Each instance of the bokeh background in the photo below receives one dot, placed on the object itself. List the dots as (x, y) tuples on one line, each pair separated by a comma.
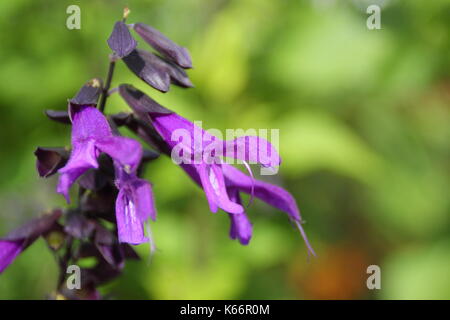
[(364, 136)]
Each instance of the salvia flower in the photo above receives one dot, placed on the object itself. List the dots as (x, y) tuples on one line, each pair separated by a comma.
[(204, 164), (220, 181), (134, 206), (108, 167), (91, 135)]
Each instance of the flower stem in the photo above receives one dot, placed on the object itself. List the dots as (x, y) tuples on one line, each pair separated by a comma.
[(102, 104)]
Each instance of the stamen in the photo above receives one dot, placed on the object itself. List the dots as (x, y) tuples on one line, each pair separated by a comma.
[(252, 191), (305, 238)]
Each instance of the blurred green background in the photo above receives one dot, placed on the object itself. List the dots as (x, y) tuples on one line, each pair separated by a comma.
[(364, 124)]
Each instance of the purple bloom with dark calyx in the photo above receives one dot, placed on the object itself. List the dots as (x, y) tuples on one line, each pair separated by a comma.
[(91, 135), (114, 204), (87, 95), (211, 176), (143, 129), (220, 181), (134, 205), (165, 121), (20, 239)]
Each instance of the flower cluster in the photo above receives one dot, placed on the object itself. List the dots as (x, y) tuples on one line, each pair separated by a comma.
[(114, 203)]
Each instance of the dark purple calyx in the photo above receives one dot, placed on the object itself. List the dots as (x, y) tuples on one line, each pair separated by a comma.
[(89, 93), (155, 71), (49, 160), (121, 41), (58, 116), (164, 45), (140, 102)]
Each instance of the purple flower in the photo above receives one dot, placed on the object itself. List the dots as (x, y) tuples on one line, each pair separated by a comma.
[(203, 159), (220, 181), (208, 166), (134, 205), (91, 135)]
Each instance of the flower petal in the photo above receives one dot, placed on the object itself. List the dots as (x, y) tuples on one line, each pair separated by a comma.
[(214, 185), (129, 225), (205, 183), (252, 149), (88, 123), (9, 250), (126, 151), (143, 197), (241, 227), (83, 157)]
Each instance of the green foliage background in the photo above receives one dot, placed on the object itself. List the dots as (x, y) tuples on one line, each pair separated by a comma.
[(364, 136)]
